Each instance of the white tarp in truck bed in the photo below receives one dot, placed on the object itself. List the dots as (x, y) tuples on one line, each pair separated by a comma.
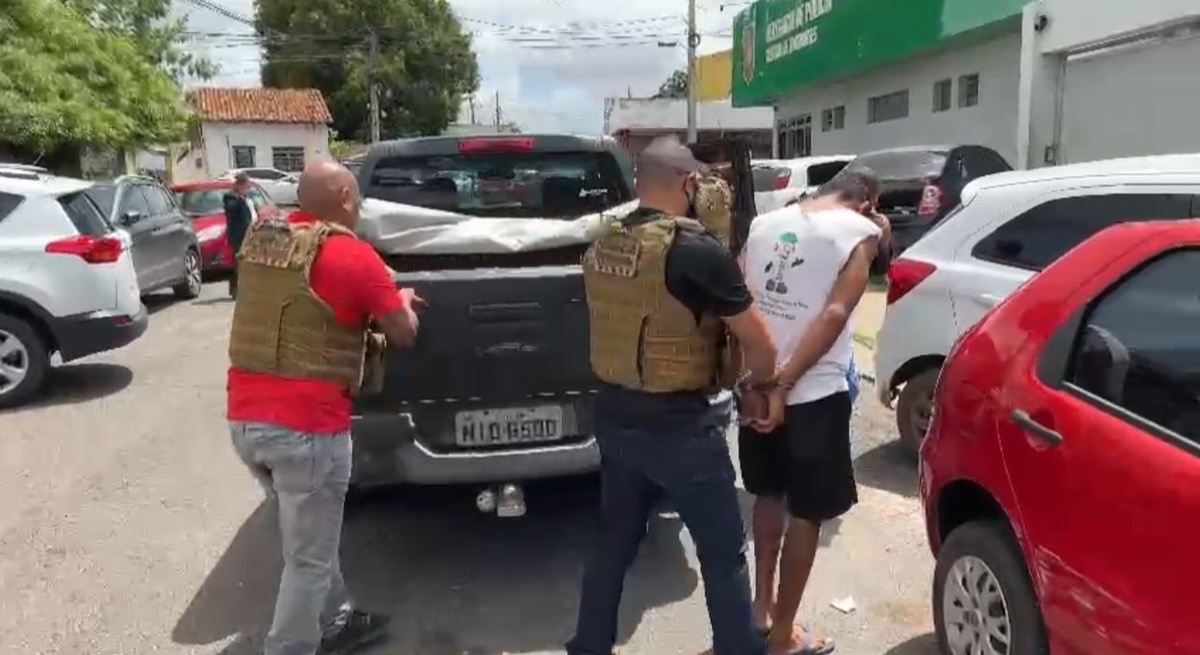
[(399, 229)]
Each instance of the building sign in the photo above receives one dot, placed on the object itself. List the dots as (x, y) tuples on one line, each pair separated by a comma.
[(781, 45), (795, 30)]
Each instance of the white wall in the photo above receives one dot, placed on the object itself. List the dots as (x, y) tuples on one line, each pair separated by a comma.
[(219, 139), (1141, 100), (993, 122), (1074, 23)]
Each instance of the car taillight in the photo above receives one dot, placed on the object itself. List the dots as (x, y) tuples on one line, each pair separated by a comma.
[(781, 180), (503, 144), (93, 250), (931, 201), (904, 275)]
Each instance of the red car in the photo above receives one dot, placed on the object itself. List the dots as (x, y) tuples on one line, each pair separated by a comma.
[(1061, 473), (203, 202)]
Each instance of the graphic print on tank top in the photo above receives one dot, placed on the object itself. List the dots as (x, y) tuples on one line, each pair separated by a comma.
[(785, 258)]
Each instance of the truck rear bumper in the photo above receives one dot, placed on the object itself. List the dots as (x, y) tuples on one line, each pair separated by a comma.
[(387, 451)]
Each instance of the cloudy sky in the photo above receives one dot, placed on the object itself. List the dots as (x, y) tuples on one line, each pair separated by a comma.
[(552, 62)]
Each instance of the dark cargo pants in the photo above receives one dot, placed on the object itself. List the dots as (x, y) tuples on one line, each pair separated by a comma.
[(689, 462), (308, 476)]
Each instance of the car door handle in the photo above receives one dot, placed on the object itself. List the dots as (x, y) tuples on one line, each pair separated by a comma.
[(1039, 431)]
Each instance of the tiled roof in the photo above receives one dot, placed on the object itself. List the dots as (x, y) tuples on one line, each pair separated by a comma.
[(247, 105)]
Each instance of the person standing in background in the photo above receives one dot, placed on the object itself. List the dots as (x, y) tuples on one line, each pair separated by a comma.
[(291, 384), (807, 267), (239, 216)]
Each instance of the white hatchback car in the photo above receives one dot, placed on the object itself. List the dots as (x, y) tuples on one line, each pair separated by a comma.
[(280, 185), (67, 281), (1008, 227), (780, 181)]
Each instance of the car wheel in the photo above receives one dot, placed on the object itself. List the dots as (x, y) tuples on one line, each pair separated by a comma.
[(914, 408), (24, 361), (983, 601), (192, 282)]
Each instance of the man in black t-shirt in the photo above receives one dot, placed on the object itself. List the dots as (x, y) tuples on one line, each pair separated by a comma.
[(661, 421)]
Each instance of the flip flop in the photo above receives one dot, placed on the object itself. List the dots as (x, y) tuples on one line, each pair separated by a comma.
[(809, 647)]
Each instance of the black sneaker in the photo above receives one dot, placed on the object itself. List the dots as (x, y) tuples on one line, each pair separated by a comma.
[(355, 631)]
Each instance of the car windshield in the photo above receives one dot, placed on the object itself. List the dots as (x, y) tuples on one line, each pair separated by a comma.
[(104, 195), (509, 184), (200, 202), (903, 164)]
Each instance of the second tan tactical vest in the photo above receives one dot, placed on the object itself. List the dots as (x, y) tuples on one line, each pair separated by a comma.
[(280, 326), (642, 337)]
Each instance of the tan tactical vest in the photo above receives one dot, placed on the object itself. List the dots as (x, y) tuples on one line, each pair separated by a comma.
[(714, 205), (642, 337), (281, 327)]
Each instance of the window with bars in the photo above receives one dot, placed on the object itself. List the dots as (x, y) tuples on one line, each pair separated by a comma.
[(288, 158), (888, 107), (943, 91), (833, 118), (243, 156), (795, 137), (968, 90)]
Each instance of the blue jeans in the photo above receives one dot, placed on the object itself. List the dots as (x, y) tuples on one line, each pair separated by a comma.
[(307, 475), (688, 461)]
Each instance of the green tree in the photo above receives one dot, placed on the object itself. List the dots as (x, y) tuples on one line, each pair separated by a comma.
[(675, 86), (63, 81), (425, 65), (149, 24)]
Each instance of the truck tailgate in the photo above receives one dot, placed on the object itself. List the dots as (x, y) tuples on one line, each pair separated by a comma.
[(497, 334)]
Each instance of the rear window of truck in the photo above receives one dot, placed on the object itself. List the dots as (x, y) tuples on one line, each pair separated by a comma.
[(514, 184)]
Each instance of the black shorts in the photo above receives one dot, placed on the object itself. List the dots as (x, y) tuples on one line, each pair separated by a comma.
[(806, 460)]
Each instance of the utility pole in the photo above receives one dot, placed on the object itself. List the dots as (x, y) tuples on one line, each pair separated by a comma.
[(373, 84), (693, 41), (473, 110), (497, 110)]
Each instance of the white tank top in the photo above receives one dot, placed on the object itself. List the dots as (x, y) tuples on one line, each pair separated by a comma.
[(792, 259)]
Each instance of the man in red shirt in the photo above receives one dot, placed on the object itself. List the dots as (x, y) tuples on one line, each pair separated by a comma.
[(290, 417)]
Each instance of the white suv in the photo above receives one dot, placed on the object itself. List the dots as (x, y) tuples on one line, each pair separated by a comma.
[(1008, 227), (67, 282)]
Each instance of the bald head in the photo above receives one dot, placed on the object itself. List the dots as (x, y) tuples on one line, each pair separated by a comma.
[(329, 191), (666, 175), (666, 159)]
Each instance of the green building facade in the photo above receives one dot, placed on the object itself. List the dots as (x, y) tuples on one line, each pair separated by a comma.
[(780, 46)]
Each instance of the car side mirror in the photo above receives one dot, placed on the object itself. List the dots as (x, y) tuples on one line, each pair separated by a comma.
[(1102, 363), (131, 217)]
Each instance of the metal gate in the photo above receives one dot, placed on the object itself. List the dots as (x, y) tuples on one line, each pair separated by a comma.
[(1135, 98)]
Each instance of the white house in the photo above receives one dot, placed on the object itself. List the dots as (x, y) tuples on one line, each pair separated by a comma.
[(253, 127)]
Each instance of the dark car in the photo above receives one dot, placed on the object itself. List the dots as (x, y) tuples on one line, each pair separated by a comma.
[(921, 184), (498, 389), (166, 253)]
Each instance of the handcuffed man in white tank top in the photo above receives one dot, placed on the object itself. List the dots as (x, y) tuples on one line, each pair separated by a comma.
[(807, 266)]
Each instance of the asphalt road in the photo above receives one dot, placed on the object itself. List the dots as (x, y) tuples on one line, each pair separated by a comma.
[(127, 526)]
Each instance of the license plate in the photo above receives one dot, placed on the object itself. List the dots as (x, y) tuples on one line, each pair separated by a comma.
[(514, 425)]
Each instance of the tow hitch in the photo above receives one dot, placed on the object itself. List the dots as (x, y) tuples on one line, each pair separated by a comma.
[(505, 501)]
